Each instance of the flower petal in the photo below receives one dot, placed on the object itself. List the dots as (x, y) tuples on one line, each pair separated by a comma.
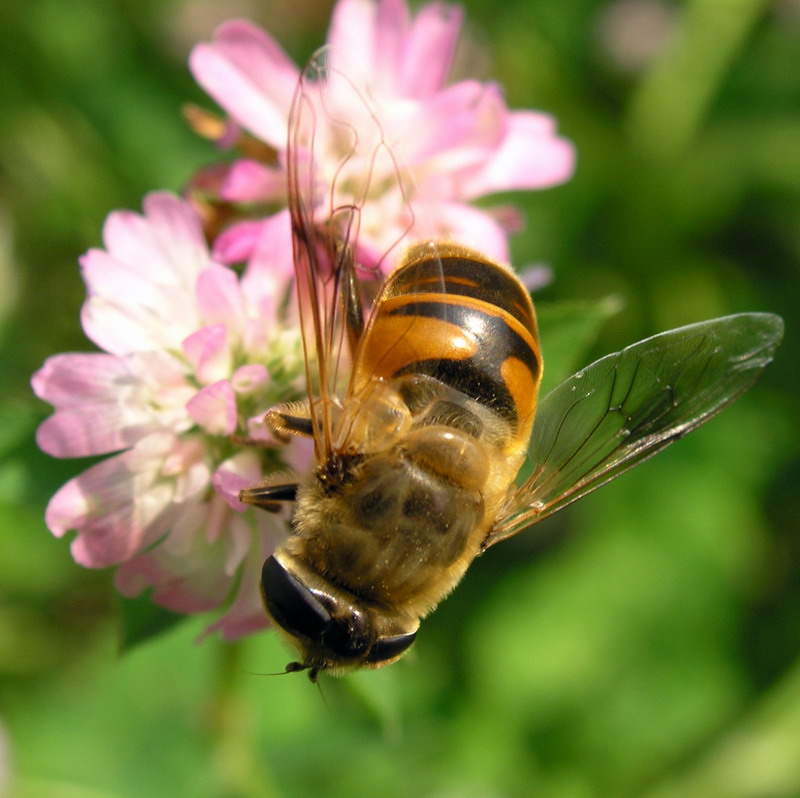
[(388, 41), (271, 266), (252, 181), (249, 378), (458, 128), (90, 430), (351, 37), (104, 403), (531, 156), (429, 49), (236, 244), (219, 298), (69, 379), (141, 288), (250, 76), (166, 242), (126, 312), (246, 614), (266, 282), (186, 572), (118, 508), (89, 418), (209, 352), (214, 408), (238, 472)]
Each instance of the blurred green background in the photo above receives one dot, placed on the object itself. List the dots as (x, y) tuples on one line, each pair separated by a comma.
[(645, 642)]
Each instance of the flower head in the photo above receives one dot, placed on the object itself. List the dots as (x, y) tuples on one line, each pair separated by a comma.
[(193, 355), (459, 141)]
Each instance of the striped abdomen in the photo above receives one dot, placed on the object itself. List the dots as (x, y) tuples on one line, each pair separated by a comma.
[(449, 314)]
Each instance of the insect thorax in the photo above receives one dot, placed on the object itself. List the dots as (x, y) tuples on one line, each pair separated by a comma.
[(400, 525)]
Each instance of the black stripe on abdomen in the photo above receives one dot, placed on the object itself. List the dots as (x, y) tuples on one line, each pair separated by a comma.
[(469, 277), (479, 375)]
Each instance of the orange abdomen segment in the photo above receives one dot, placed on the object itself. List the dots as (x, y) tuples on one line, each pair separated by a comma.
[(463, 320)]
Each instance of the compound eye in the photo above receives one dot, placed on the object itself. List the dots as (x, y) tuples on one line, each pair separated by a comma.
[(390, 647), (291, 603), (346, 637)]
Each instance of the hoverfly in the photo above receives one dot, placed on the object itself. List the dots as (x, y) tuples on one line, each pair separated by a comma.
[(420, 437)]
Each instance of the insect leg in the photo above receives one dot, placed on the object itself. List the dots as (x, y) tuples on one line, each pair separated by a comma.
[(270, 496), (288, 420)]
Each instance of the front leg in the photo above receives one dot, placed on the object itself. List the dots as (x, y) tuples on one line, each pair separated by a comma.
[(271, 494), (290, 419)]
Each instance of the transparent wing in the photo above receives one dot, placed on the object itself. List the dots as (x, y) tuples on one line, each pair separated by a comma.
[(627, 406), (338, 162)]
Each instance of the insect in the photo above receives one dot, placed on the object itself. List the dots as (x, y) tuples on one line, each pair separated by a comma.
[(422, 393)]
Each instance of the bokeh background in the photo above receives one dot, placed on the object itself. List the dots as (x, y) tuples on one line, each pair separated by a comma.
[(644, 642)]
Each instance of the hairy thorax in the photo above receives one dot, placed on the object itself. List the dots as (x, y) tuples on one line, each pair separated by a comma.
[(400, 525)]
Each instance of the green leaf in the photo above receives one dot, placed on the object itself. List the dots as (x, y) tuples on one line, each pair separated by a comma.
[(141, 620), (567, 331)]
